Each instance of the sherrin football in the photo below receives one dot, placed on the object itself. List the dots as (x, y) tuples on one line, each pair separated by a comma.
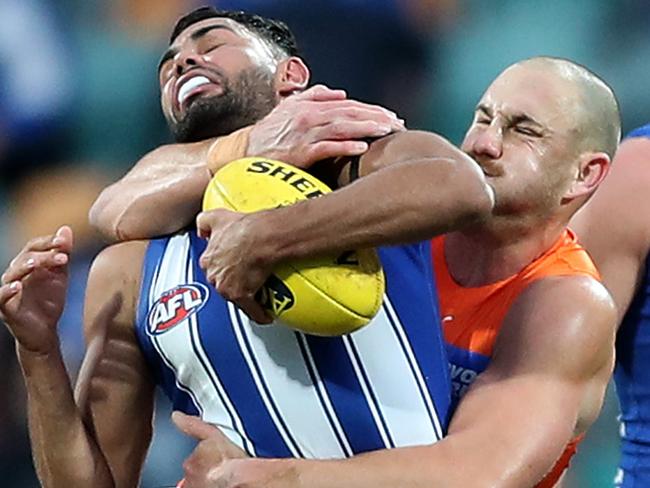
[(327, 295)]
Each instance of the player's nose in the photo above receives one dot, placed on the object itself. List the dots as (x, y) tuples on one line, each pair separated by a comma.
[(185, 61), (488, 143)]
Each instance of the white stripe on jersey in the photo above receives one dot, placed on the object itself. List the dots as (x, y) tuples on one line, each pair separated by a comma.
[(233, 432), (161, 353), (275, 361), (180, 386), (327, 402), (415, 367), (361, 377), (392, 381), (176, 345)]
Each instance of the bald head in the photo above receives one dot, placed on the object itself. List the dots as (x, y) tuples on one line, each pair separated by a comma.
[(597, 121), (544, 133)]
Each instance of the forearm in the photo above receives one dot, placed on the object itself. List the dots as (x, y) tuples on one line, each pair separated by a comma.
[(65, 454), (408, 467), (161, 194), (401, 203), (501, 436), (458, 461)]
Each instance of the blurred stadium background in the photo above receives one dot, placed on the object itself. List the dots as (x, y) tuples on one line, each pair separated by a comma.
[(79, 105)]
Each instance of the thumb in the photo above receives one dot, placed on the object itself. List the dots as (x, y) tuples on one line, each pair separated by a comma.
[(193, 426), (208, 219), (64, 239), (203, 225), (215, 221)]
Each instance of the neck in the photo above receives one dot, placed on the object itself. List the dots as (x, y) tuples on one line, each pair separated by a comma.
[(489, 253)]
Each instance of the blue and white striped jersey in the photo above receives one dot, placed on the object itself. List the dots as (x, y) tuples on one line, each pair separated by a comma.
[(280, 393)]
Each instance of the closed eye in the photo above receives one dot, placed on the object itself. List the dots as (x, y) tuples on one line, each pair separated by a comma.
[(212, 48), (527, 131)]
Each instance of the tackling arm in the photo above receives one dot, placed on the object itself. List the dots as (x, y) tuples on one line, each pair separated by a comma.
[(545, 384), (417, 185), (163, 192), (160, 194)]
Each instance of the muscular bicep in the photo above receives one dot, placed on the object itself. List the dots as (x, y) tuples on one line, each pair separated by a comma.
[(545, 382), (401, 147), (409, 146), (115, 389), (559, 326), (427, 168)]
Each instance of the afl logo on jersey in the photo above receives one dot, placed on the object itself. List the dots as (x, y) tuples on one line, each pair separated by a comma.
[(176, 305)]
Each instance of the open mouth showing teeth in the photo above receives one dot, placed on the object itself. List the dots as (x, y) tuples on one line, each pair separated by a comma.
[(190, 85)]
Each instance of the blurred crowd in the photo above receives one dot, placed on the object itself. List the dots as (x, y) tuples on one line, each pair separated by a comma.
[(79, 105)]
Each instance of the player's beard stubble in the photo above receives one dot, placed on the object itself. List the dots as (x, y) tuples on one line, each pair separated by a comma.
[(243, 101)]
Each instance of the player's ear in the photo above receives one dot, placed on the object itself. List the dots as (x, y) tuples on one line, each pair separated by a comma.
[(292, 76), (592, 170)]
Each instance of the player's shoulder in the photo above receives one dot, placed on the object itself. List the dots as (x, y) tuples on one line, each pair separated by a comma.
[(578, 288), (119, 260), (574, 307), (114, 280), (570, 318)]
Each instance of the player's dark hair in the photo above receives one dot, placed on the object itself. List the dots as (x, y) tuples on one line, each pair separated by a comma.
[(274, 32)]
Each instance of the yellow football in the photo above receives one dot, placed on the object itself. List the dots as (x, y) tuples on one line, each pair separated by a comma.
[(326, 295)]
